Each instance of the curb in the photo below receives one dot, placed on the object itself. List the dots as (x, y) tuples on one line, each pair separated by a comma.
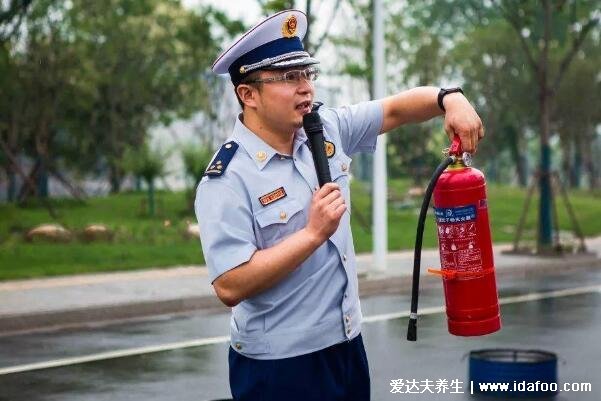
[(369, 285)]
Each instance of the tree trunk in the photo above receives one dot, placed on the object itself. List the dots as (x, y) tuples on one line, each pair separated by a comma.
[(11, 179), (73, 189), (545, 231), (115, 177), (516, 148), (11, 169), (11, 185), (576, 168), (545, 237), (29, 186), (589, 164), (566, 158), (42, 140), (151, 197), (42, 178), (306, 39)]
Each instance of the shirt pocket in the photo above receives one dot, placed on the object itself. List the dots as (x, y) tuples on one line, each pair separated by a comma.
[(340, 167), (278, 221)]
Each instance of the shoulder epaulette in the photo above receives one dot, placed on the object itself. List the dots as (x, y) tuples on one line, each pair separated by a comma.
[(219, 163)]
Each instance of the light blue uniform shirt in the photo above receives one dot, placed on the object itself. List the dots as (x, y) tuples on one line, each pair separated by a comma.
[(317, 305)]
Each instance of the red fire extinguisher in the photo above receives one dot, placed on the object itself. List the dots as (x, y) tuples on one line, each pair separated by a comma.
[(465, 246)]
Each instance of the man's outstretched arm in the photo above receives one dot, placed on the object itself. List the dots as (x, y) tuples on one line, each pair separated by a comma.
[(421, 104)]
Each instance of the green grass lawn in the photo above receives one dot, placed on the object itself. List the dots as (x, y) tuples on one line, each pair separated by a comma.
[(141, 241)]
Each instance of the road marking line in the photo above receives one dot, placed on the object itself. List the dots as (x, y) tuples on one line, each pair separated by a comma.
[(535, 296), (225, 339), (114, 354)]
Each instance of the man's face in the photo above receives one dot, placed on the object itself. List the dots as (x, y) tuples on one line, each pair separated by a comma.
[(282, 103)]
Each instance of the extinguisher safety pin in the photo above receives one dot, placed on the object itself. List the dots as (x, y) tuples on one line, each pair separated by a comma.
[(448, 274)]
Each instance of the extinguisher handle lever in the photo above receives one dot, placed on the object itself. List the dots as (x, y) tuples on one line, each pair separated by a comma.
[(455, 148)]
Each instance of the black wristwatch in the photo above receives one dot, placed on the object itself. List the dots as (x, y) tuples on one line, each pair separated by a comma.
[(443, 92)]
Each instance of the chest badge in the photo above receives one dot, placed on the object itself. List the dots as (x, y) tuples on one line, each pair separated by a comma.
[(272, 196), (330, 148)]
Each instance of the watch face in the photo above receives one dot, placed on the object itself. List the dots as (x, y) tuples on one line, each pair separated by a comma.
[(452, 90)]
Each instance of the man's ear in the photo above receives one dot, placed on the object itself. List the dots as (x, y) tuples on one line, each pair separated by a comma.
[(247, 94)]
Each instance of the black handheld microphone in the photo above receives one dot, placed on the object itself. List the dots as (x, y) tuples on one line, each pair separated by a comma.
[(314, 130)]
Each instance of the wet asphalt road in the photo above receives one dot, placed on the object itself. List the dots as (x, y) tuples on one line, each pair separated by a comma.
[(569, 326)]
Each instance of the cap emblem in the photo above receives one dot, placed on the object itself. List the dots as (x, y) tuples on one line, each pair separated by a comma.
[(289, 27)]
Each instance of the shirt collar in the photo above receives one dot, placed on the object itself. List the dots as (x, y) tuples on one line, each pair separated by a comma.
[(257, 148), (300, 137)]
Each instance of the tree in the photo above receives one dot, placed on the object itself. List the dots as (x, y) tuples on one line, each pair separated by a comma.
[(148, 59), (539, 31), (12, 13), (546, 32), (501, 86), (576, 115), (85, 81), (148, 164), (196, 159), (42, 80)]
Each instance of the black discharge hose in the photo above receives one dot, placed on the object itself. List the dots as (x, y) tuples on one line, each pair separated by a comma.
[(417, 256)]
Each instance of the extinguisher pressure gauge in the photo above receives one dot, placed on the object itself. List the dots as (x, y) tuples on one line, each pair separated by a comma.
[(467, 158)]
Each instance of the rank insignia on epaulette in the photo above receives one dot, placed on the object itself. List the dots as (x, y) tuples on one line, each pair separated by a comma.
[(330, 148), (219, 163)]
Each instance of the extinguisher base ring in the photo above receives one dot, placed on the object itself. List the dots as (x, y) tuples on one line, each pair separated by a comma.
[(476, 327)]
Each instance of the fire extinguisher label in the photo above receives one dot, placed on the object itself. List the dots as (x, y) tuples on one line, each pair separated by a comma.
[(455, 214), (459, 249)]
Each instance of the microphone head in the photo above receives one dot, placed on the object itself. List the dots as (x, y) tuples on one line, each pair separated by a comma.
[(312, 122)]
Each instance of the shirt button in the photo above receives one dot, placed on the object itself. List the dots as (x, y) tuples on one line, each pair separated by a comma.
[(282, 215), (348, 331), (343, 167), (347, 319), (238, 346), (344, 257), (345, 295)]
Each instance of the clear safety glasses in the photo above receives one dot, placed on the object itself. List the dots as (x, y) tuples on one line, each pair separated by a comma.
[(291, 77)]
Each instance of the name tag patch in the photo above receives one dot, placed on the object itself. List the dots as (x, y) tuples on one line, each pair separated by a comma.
[(272, 196)]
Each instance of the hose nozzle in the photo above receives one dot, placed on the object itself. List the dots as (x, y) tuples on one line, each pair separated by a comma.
[(412, 328)]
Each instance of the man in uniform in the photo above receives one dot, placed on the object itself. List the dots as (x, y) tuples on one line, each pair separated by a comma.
[(278, 247)]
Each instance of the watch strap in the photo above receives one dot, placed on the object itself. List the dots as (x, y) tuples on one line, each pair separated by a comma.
[(445, 91)]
